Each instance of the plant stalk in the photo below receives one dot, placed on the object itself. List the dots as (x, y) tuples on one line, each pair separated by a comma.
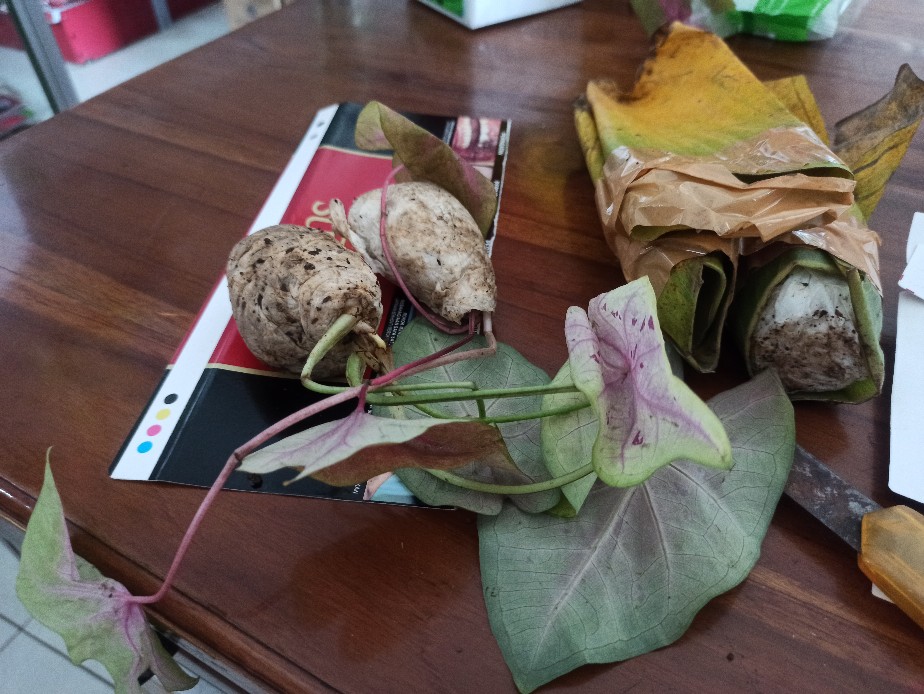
[(508, 489)]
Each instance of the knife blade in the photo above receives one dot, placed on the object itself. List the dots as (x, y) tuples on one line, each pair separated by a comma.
[(889, 541)]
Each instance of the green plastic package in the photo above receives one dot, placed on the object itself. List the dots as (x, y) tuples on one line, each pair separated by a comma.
[(784, 20)]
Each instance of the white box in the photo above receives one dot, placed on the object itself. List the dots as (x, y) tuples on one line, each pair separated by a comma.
[(479, 13)]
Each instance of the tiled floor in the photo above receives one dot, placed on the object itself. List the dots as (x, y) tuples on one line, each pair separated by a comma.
[(96, 76), (34, 659)]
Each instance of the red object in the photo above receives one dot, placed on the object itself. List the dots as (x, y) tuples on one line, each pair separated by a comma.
[(89, 29), (178, 8), (94, 28), (8, 34)]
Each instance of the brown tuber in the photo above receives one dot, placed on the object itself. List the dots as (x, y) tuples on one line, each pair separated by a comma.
[(288, 284), (436, 244)]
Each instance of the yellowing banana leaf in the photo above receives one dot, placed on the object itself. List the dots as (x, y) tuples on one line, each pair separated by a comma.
[(700, 164), (874, 141), (682, 268), (695, 98), (794, 93), (680, 154)]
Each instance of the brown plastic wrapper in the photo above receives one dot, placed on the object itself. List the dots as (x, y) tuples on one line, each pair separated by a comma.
[(700, 165)]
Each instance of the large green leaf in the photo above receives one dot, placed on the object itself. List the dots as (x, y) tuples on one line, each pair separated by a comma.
[(93, 614), (506, 369), (629, 574)]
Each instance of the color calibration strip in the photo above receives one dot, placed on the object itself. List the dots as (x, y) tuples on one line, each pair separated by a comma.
[(162, 414)]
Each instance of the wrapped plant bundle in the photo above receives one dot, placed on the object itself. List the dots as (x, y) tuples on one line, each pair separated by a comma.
[(703, 174)]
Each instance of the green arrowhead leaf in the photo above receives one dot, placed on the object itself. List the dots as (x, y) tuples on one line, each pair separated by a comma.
[(427, 158), (507, 369), (360, 446), (567, 443), (648, 417), (630, 573), (92, 613)]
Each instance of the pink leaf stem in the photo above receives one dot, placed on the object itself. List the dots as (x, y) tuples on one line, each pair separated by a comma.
[(439, 358), (444, 356), (233, 461)]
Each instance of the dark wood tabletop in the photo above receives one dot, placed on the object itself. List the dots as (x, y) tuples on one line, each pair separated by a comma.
[(116, 219)]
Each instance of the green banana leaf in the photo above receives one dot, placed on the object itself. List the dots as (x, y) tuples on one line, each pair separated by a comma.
[(693, 305)]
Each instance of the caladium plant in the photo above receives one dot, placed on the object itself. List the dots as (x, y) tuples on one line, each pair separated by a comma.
[(636, 441), (650, 417), (631, 572), (615, 439)]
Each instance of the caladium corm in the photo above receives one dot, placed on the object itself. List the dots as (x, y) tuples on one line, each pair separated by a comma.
[(427, 158)]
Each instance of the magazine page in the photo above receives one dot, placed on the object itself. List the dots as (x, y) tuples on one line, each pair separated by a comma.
[(215, 394)]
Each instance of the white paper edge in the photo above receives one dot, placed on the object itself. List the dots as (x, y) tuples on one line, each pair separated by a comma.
[(906, 445), (182, 378), (877, 591)]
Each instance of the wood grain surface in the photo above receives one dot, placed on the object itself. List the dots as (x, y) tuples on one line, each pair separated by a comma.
[(116, 219)]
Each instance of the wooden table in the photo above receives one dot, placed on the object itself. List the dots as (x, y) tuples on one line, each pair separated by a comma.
[(116, 218)]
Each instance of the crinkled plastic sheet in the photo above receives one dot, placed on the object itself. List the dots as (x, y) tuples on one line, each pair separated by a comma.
[(745, 191), (649, 196), (785, 20)]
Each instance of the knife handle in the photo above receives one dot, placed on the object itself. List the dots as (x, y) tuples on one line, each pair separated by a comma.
[(892, 556)]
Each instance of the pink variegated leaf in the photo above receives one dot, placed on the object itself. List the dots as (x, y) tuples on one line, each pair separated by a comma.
[(93, 614), (647, 416), (358, 447)]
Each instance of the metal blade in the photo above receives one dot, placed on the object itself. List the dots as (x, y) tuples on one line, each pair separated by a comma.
[(819, 490)]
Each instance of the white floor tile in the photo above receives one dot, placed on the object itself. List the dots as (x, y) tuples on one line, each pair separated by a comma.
[(51, 639), (28, 665), (10, 607), (7, 631), (16, 71), (153, 686), (28, 646), (185, 34)]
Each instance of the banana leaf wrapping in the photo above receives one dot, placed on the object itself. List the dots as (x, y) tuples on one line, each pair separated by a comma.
[(702, 175)]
